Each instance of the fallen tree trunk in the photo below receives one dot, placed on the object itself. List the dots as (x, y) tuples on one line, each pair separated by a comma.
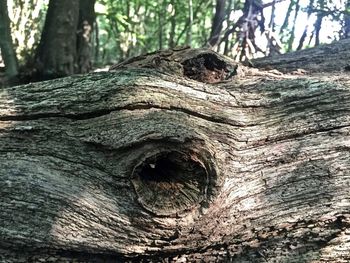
[(138, 165), (325, 58)]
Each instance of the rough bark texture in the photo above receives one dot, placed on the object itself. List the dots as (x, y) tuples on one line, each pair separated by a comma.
[(217, 23), (138, 165), (326, 58), (6, 44), (85, 32), (56, 54)]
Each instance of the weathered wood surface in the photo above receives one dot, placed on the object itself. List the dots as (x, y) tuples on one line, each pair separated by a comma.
[(333, 57), (136, 165)]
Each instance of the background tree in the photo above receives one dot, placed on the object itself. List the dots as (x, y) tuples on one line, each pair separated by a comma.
[(252, 19), (123, 29), (6, 44), (27, 21), (85, 30), (318, 23), (303, 36), (217, 23), (346, 21), (56, 54)]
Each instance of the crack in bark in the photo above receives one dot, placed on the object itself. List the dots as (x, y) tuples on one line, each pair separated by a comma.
[(298, 135), (99, 113)]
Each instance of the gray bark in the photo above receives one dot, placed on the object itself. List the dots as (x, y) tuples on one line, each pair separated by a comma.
[(137, 165), (56, 54), (6, 45), (326, 58), (218, 18), (86, 22)]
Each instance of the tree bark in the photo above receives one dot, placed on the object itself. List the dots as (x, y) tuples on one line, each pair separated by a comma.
[(303, 36), (56, 54), (85, 35), (346, 18), (216, 28), (190, 23), (326, 58), (6, 45), (149, 163), (173, 15)]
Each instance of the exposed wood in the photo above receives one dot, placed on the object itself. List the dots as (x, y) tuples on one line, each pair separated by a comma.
[(136, 164)]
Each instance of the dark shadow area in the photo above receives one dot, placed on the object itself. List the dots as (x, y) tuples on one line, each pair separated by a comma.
[(170, 182), (208, 68)]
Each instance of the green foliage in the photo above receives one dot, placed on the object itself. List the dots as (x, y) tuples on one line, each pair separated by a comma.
[(126, 28), (129, 28)]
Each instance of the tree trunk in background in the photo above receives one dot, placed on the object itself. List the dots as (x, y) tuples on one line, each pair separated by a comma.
[(228, 41), (161, 18), (318, 23), (6, 45), (190, 23), (303, 36), (97, 44), (56, 54), (85, 33), (346, 26), (140, 165), (172, 32), (287, 16), (292, 33), (217, 23)]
